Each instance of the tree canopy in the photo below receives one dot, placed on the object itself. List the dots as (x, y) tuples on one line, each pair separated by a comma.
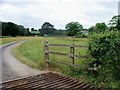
[(99, 27), (12, 29), (47, 28), (73, 28), (115, 22), (32, 29)]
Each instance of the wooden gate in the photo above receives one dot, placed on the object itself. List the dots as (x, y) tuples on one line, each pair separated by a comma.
[(71, 54)]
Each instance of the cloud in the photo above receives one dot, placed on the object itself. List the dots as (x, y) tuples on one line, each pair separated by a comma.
[(57, 12)]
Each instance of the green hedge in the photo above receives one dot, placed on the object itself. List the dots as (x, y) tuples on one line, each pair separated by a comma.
[(104, 49)]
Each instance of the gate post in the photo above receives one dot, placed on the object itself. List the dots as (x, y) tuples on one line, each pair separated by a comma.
[(72, 54), (46, 53)]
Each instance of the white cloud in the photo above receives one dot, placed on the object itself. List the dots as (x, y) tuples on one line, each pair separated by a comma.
[(57, 12)]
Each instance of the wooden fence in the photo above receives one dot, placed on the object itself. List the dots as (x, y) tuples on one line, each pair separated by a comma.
[(71, 54)]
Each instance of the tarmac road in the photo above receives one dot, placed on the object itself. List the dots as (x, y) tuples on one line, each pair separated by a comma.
[(13, 68)]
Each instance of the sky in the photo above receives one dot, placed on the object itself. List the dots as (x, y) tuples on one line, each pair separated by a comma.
[(33, 13)]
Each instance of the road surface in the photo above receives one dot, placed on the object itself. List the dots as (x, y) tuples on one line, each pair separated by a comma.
[(11, 67)]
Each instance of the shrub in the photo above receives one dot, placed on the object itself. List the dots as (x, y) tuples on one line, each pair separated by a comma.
[(104, 49), (81, 35)]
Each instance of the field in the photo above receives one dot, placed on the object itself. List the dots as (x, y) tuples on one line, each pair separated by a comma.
[(35, 32), (32, 51), (6, 40)]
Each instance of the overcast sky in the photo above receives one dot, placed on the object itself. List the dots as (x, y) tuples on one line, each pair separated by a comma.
[(33, 13)]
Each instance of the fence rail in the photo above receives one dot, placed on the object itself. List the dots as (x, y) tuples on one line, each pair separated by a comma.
[(71, 54), (67, 45)]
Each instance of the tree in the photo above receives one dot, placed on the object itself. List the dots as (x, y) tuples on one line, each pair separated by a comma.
[(5, 31), (32, 29), (9, 29), (115, 22), (91, 29), (73, 28), (99, 27), (21, 30), (47, 28), (28, 31), (12, 29), (81, 35), (39, 29), (115, 25)]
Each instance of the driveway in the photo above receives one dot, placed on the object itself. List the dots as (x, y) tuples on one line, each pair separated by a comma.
[(11, 67)]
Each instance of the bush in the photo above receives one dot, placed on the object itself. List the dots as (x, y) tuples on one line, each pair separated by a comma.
[(81, 35), (104, 49)]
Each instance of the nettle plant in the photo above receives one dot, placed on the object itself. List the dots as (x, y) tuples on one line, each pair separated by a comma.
[(104, 49)]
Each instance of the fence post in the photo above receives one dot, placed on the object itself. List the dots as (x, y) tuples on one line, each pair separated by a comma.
[(46, 53), (72, 54)]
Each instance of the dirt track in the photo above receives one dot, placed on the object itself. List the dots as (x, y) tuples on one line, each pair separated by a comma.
[(11, 67)]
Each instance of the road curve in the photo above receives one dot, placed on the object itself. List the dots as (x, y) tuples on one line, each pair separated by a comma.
[(11, 67)]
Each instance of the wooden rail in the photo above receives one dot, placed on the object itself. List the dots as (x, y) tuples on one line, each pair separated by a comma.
[(71, 55)]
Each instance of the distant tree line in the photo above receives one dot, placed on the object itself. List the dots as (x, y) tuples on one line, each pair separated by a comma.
[(12, 29), (72, 29)]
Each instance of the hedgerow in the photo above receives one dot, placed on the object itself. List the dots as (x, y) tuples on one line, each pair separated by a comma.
[(104, 49)]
